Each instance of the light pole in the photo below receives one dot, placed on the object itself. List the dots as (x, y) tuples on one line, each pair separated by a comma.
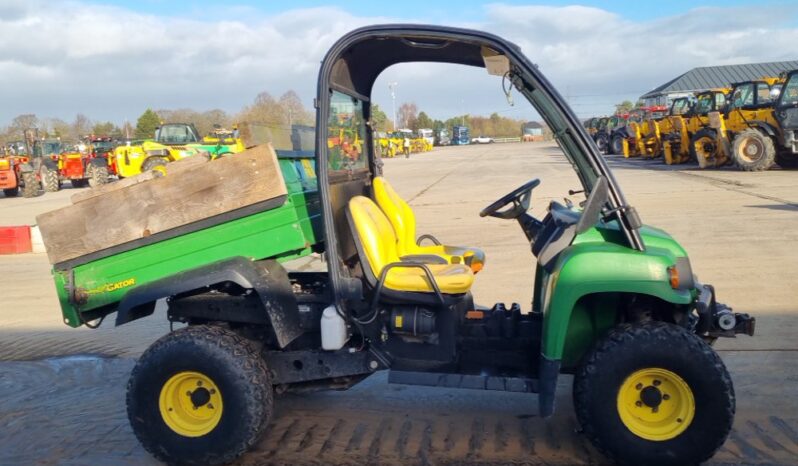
[(392, 87)]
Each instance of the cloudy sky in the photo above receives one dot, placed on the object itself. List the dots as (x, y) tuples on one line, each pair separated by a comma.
[(111, 60)]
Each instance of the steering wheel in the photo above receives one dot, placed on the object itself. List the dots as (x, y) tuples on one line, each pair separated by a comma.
[(519, 197)]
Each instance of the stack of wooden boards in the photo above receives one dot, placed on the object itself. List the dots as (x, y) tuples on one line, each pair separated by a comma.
[(150, 205)]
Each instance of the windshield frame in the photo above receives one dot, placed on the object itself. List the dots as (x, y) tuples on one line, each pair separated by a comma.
[(791, 79), (349, 65)]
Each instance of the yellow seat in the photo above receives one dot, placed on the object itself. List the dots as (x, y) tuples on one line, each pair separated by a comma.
[(403, 220), (376, 241)]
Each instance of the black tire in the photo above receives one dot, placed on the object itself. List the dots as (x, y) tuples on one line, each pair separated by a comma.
[(152, 163), (602, 142), (11, 192), (753, 151), (607, 370), (700, 134), (30, 185), (232, 363), (616, 145), (99, 176), (79, 182), (786, 159), (50, 181)]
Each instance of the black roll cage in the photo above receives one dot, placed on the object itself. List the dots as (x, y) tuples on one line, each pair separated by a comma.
[(381, 46)]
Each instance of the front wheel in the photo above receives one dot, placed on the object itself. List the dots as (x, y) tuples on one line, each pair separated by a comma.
[(654, 394), (50, 180), (30, 185), (199, 395), (99, 176), (753, 151)]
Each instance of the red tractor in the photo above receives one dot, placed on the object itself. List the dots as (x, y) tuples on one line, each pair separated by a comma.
[(24, 166), (103, 148), (81, 165), (12, 178)]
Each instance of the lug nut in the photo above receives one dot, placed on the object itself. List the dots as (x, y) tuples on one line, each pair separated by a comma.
[(639, 386), (655, 409), (199, 383), (210, 406), (212, 391), (188, 392), (679, 419), (666, 397), (638, 403), (657, 383)]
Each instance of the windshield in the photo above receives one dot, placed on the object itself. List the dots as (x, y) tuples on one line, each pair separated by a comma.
[(789, 93), (176, 134), (704, 103), (51, 147), (680, 107), (743, 96), (103, 145)]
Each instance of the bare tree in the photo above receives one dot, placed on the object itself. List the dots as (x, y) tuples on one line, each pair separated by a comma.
[(81, 126), (407, 114), (293, 110), (22, 122)]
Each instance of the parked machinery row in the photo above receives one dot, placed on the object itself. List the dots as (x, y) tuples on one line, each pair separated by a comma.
[(751, 125), (39, 163)]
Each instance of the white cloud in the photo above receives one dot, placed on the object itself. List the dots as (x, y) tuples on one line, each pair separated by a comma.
[(58, 59)]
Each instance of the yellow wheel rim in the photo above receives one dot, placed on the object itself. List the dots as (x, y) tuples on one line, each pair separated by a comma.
[(191, 404), (656, 404)]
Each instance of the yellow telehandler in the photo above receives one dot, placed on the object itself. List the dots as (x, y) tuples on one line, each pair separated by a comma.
[(747, 132), (690, 138)]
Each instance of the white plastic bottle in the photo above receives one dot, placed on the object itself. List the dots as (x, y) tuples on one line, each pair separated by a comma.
[(333, 330)]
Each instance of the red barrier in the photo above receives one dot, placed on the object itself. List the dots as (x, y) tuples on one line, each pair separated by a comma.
[(15, 240)]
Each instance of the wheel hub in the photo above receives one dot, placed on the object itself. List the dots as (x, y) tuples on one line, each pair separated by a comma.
[(651, 396), (752, 150), (655, 404), (200, 397), (191, 404)]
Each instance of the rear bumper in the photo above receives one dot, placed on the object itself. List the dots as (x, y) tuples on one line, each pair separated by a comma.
[(718, 320)]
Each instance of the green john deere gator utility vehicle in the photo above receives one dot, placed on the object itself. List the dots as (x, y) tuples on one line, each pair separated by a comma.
[(615, 302)]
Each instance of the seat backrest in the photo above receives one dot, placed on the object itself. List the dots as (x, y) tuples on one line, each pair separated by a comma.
[(398, 212), (374, 233)]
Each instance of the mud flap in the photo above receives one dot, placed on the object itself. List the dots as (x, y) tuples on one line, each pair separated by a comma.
[(547, 385)]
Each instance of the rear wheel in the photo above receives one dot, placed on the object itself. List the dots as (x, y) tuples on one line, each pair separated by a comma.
[(30, 185), (601, 141), (654, 394), (753, 151), (99, 176), (50, 181), (786, 159), (154, 163), (199, 395), (11, 192), (616, 145)]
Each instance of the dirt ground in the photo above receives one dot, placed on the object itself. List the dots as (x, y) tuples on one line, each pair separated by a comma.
[(62, 389)]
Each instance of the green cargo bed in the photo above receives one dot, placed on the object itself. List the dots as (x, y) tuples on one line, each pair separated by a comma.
[(285, 228)]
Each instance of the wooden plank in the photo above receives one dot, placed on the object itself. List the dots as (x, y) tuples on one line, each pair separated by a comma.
[(173, 167), (160, 204)]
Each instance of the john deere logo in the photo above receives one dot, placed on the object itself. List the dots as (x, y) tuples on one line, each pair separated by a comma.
[(109, 287)]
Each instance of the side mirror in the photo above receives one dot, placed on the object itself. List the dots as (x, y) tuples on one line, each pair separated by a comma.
[(595, 201)]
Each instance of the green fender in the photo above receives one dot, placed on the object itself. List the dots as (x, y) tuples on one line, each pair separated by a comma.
[(595, 265)]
